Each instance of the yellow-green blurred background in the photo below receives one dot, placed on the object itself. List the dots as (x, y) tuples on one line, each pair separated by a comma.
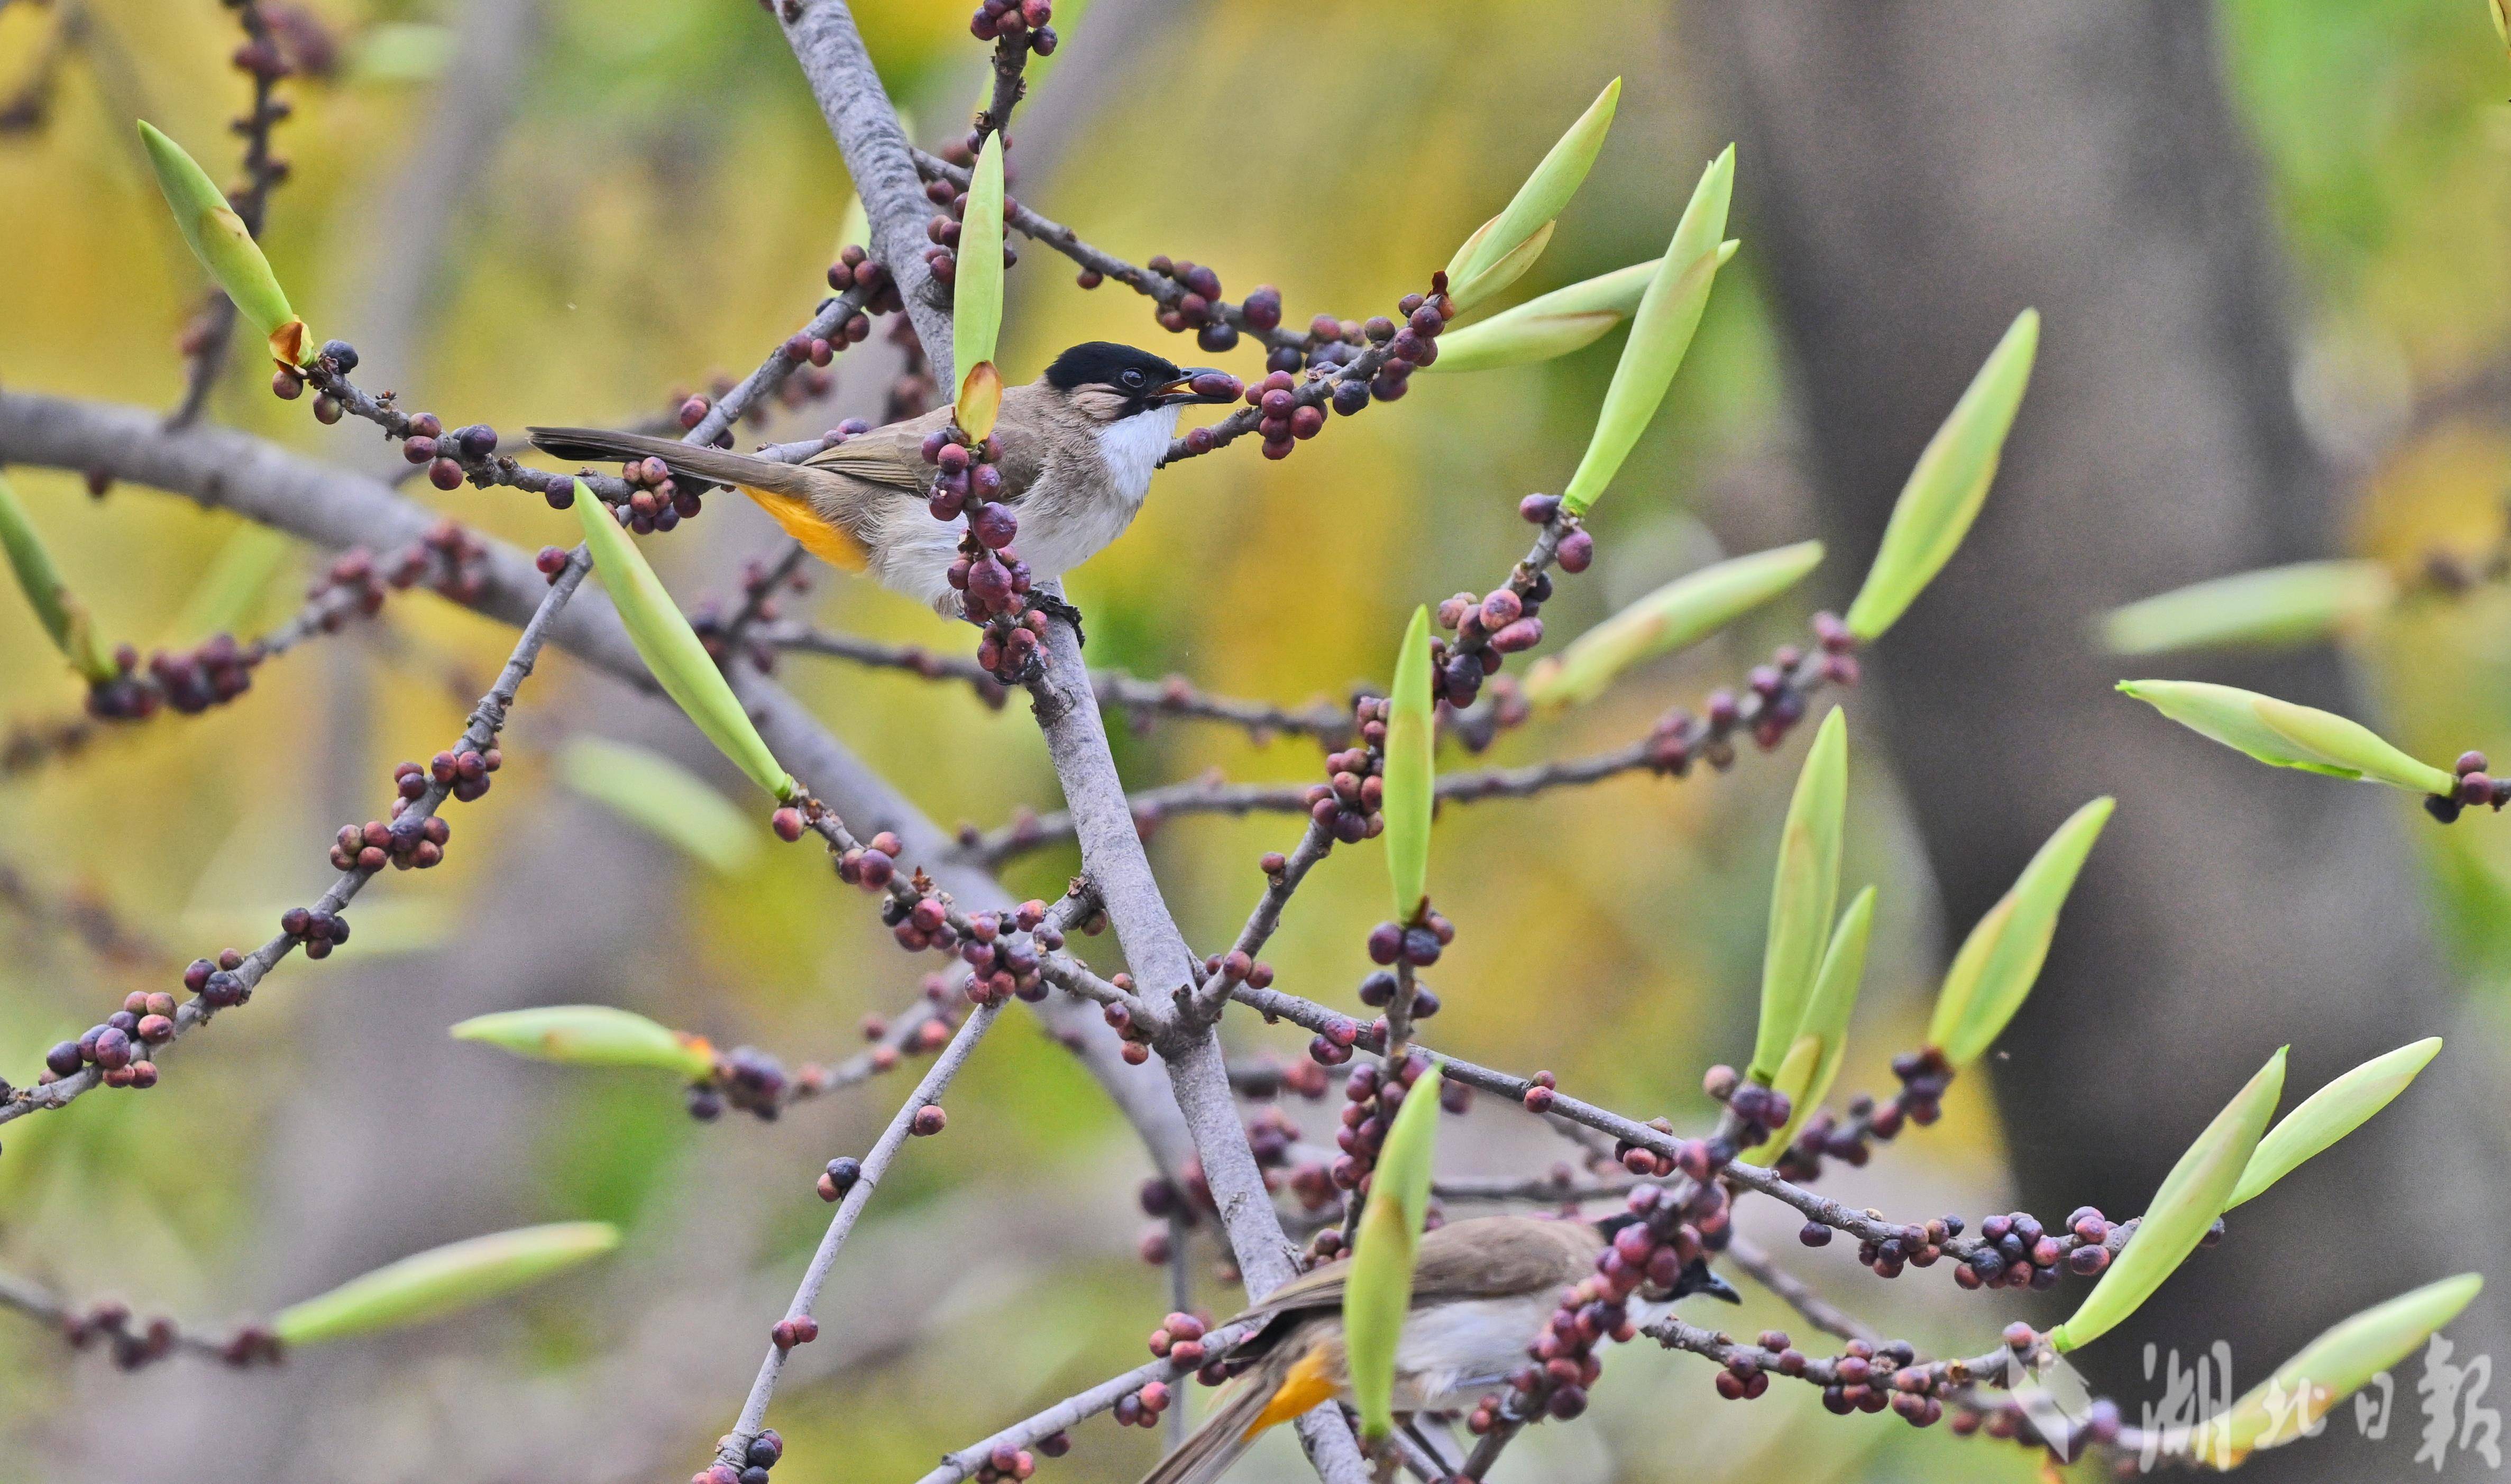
[(646, 196)]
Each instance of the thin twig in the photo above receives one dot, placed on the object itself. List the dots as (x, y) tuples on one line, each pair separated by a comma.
[(487, 718), (1793, 1291), (1172, 695), (876, 1164), (338, 509), (1080, 1407), (215, 330), (1160, 288)]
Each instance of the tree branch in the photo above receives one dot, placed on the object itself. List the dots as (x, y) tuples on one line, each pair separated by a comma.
[(876, 1164), (1171, 695), (877, 155), (338, 509)]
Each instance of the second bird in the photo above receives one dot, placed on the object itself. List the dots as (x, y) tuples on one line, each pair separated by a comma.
[(1078, 448)]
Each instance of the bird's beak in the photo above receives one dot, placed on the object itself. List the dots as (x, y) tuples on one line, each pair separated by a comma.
[(1700, 1278), (1183, 389)]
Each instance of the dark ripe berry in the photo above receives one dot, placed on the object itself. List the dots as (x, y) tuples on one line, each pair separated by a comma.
[(995, 525), (1217, 337), (1263, 307), (64, 1059), (765, 1450), (1386, 942), (1814, 1235), (444, 474), (1575, 551), (197, 973), (1421, 947), (929, 1120), (2475, 788), (552, 561), (1377, 990), (113, 1048), (342, 353), (2470, 763)]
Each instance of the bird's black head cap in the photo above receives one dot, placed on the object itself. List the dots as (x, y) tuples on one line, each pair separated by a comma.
[(1105, 362)]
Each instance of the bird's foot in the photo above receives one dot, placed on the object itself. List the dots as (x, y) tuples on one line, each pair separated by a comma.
[(1056, 608)]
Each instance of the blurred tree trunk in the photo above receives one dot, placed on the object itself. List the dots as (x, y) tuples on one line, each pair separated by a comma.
[(1912, 175)]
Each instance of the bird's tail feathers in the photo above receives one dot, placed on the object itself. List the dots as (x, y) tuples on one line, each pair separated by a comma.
[(1209, 1451), (716, 466), (782, 490)]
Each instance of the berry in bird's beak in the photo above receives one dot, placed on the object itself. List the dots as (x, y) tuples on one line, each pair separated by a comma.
[(1199, 383)]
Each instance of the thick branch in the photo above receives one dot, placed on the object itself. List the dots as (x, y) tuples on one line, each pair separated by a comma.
[(824, 41), (338, 509)]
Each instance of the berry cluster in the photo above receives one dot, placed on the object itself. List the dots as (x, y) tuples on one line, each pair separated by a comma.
[(449, 558), (1772, 704), (135, 1341), (657, 502), (1347, 803), (2475, 788), (318, 930), (1013, 1463), (2018, 1253), (1016, 21), (2100, 1425), (1924, 1076), (1417, 944), (784, 1334), (991, 579), (745, 1077), (120, 1045), (1648, 1250), (1754, 1113), (1379, 990), (757, 1457), (189, 682), (1161, 1199), (1004, 953), (1272, 1076), (838, 1178), (1372, 1095), (415, 836), (1132, 1033), (1194, 302), (221, 985), (856, 271)]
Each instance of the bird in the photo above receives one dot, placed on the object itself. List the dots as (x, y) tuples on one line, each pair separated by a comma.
[(1078, 447), (1482, 1290)]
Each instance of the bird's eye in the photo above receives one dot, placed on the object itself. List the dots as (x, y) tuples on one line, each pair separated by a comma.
[(1133, 377)]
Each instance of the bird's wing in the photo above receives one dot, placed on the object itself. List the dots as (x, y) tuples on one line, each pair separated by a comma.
[(892, 457), (1483, 1258), (888, 458)]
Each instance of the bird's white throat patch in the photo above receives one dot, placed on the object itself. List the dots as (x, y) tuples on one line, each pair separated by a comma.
[(1133, 445)]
